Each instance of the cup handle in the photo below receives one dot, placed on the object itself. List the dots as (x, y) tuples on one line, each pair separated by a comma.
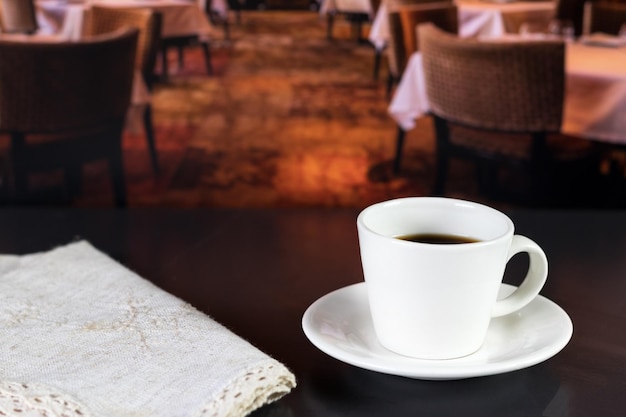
[(533, 282)]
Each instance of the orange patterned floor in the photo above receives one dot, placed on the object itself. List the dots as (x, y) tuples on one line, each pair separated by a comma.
[(288, 119)]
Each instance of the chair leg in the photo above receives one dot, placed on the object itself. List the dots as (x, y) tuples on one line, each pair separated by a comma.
[(442, 134), (164, 65), (441, 175), (377, 54), (390, 83), (116, 170), (207, 57), (148, 127), (18, 167), (356, 29), (226, 29), (216, 19), (181, 57), (399, 145), (540, 180), (330, 20)]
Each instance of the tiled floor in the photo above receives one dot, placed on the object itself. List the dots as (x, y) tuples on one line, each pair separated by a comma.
[(289, 119)]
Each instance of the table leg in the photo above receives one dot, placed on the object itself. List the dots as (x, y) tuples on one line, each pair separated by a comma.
[(376, 63), (330, 20)]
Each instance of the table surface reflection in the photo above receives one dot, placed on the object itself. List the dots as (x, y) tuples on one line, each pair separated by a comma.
[(256, 271)]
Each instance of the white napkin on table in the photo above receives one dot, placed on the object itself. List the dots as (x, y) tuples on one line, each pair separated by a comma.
[(81, 335)]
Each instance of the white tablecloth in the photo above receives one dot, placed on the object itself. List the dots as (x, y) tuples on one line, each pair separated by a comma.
[(180, 17), (476, 18), (218, 6), (595, 101), (595, 105), (347, 6)]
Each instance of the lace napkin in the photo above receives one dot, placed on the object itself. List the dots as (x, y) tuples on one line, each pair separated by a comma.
[(82, 336)]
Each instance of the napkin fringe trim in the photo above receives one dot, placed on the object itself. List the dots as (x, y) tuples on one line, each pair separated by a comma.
[(256, 387), (36, 400)]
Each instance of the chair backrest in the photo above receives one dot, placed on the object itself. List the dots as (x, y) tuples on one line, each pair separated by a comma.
[(506, 86), (403, 20), (107, 19), (514, 21), (392, 4), (48, 87), (375, 5), (604, 16), (572, 10), (18, 16)]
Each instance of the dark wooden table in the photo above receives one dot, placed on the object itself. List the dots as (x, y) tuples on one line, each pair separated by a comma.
[(256, 271)]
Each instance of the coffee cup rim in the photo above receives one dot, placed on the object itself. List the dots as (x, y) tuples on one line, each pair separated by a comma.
[(506, 233)]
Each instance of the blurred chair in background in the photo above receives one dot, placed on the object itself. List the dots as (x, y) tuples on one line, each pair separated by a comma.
[(404, 16), (604, 16), (403, 22), (148, 22), (219, 15), (538, 19), (500, 104), (180, 42), (571, 10), (235, 6), (63, 104), (18, 16), (356, 20)]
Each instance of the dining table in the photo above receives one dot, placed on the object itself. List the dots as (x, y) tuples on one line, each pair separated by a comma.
[(356, 11), (259, 271), (217, 6), (180, 17), (347, 6), (595, 96), (477, 18)]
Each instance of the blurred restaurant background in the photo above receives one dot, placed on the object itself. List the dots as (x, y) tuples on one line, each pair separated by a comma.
[(305, 103)]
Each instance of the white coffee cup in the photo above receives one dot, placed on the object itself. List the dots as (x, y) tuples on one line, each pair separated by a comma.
[(435, 301)]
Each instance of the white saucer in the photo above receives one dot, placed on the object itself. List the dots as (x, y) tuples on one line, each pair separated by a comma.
[(339, 324)]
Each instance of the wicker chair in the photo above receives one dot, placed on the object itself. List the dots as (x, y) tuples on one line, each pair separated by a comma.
[(219, 19), (236, 6), (18, 16), (540, 19), (572, 10), (355, 19), (604, 16), (403, 21), (500, 104), (108, 19), (404, 16), (180, 42), (64, 104)]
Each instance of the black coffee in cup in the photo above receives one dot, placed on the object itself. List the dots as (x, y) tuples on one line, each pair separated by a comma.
[(437, 238)]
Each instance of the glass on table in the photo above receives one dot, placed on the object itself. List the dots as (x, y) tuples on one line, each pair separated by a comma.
[(562, 28), (529, 30)]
